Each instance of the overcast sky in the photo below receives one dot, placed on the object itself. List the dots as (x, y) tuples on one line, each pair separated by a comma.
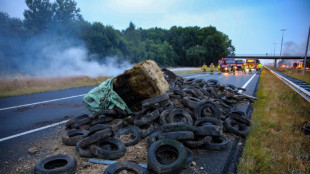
[(254, 25)]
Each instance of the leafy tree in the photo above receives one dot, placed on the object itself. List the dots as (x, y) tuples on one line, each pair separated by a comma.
[(39, 15)]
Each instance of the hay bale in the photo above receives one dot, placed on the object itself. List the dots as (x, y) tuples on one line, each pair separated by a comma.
[(144, 80)]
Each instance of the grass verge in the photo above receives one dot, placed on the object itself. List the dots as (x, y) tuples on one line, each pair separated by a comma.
[(275, 143), (295, 73), (27, 85)]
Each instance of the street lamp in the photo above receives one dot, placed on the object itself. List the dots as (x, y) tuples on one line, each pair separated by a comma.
[(282, 41), (274, 49)]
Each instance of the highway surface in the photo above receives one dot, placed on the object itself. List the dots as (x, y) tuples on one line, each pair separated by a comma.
[(28, 119)]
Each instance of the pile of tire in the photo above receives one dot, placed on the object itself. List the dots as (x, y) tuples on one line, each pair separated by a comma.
[(193, 114)]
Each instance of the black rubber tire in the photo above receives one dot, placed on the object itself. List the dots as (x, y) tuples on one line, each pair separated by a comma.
[(73, 136), (177, 111), (208, 130), (98, 127), (109, 154), (110, 112), (189, 158), (213, 93), (134, 130), (146, 132), (189, 103), (100, 135), (120, 112), (213, 108), (153, 137), (230, 102), (167, 104), (201, 121), (242, 131), (231, 87), (125, 165), (306, 130), (239, 118), (75, 119), (57, 164), (163, 116), (189, 81), (216, 144), (179, 92), (83, 152), (198, 92), (154, 100), (190, 92), (101, 120), (197, 143), (81, 122), (116, 124), (149, 117), (174, 167), (213, 82), (181, 126), (177, 135)]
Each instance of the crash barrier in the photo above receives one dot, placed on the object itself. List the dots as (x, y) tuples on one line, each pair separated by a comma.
[(193, 114)]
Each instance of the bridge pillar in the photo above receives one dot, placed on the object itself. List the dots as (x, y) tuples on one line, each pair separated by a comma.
[(275, 63)]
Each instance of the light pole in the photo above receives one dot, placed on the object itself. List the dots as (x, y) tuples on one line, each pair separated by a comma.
[(282, 41)]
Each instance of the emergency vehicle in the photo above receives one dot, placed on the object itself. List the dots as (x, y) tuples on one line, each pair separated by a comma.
[(301, 65), (226, 63), (294, 65), (250, 62), (239, 64)]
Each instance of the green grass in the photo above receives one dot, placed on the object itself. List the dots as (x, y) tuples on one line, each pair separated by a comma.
[(275, 143), (295, 73), (26, 85)]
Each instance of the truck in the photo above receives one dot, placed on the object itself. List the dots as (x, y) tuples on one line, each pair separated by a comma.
[(226, 64), (301, 65), (239, 64), (250, 62)]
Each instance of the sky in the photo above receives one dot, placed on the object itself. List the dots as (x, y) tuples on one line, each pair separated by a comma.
[(254, 26)]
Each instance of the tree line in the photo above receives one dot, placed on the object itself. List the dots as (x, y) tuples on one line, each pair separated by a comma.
[(61, 21)]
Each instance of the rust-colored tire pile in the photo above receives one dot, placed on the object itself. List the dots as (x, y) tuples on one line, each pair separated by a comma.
[(193, 114)]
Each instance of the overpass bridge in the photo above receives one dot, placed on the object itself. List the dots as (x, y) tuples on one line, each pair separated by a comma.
[(268, 57)]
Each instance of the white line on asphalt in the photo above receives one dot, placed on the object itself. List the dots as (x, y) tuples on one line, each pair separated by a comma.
[(220, 77), (12, 107), (196, 75), (246, 84), (31, 131)]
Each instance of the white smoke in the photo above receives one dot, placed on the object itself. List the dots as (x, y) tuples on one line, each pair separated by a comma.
[(75, 61)]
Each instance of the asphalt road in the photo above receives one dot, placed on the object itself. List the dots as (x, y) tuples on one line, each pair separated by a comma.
[(27, 119)]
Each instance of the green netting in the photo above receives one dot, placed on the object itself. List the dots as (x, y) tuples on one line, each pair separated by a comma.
[(104, 97)]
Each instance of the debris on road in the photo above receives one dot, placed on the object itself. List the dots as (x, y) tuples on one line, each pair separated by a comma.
[(192, 114)]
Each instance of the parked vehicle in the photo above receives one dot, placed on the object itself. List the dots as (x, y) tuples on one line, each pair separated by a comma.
[(239, 64), (226, 64), (251, 62)]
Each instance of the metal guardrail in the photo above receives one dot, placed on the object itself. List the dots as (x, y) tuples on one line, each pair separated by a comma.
[(301, 87)]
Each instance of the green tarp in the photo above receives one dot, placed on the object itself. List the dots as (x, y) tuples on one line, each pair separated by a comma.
[(104, 97)]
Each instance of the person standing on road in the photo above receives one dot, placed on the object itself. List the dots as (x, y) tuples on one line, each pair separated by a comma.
[(243, 69), (234, 69), (211, 68), (204, 68), (250, 69), (259, 68), (218, 69)]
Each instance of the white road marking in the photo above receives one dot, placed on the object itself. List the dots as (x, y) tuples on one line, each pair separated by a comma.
[(12, 107), (220, 77), (246, 84), (196, 75), (31, 131), (62, 122)]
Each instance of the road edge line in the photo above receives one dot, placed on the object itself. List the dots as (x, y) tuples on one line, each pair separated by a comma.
[(246, 84), (33, 130), (46, 101)]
